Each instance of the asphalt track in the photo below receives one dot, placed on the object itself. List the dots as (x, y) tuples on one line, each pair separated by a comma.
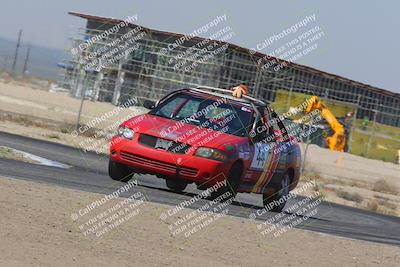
[(89, 173)]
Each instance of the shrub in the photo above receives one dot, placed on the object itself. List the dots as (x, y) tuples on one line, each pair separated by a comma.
[(372, 205), (385, 187), (350, 196)]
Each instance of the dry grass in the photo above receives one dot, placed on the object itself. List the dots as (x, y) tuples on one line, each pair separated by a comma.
[(311, 176), (318, 187), (65, 128), (382, 205), (53, 136), (372, 205), (387, 203), (6, 152), (9, 153), (385, 187), (62, 127), (355, 197)]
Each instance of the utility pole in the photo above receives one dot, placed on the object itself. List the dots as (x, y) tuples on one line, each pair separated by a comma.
[(16, 52), (26, 61)]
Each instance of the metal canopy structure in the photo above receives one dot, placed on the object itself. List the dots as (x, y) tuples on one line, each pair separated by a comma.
[(149, 71)]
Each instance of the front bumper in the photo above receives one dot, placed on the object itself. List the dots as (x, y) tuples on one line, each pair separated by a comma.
[(166, 164)]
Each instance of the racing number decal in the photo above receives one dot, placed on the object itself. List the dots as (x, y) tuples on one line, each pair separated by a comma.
[(268, 170), (261, 152), (260, 159)]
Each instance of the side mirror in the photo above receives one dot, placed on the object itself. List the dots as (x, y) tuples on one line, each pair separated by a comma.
[(149, 104)]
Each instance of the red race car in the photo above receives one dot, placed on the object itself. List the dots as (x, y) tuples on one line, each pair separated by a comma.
[(211, 138)]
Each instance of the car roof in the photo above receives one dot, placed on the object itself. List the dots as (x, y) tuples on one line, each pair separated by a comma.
[(219, 92)]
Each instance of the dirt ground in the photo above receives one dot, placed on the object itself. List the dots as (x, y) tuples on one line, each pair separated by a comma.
[(37, 229), (23, 99), (354, 181), (341, 177)]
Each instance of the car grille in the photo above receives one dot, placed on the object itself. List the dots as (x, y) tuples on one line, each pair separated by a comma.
[(172, 168), (175, 147)]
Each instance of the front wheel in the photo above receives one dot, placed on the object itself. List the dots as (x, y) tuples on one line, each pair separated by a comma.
[(119, 172), (277, 201), (229, 191)]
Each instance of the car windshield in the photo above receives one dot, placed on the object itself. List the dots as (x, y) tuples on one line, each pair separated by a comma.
[(217, 114)]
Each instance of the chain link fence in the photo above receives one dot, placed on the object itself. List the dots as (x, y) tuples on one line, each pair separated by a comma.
[(158, 62)]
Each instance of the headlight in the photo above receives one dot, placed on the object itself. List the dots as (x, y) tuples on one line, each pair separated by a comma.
[(125, 132), (211, 153)]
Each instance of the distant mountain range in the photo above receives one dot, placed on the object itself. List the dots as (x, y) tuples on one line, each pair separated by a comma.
[(42, 60)]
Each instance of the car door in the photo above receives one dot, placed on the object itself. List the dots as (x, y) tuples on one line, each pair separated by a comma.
[(264, 158)]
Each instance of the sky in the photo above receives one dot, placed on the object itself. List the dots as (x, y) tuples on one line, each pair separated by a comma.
[(361, 38)]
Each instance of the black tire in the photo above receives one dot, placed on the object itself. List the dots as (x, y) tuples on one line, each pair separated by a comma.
[(232, 183), (279, 196), (176, 185), (119, 172)]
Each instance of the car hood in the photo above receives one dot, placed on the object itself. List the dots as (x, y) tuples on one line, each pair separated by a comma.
[(179, 131)]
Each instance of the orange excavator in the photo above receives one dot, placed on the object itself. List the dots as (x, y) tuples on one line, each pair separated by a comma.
[(337, 141)]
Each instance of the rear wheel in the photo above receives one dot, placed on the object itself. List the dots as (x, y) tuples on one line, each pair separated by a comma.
[(119, 172), (176, 185), (277, 201), (232, 184)]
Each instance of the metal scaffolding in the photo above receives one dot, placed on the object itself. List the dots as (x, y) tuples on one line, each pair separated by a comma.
[(153, 68)]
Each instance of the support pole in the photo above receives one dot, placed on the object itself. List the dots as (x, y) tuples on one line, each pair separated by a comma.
[(26, 61), (373, 133), (16, 52)]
